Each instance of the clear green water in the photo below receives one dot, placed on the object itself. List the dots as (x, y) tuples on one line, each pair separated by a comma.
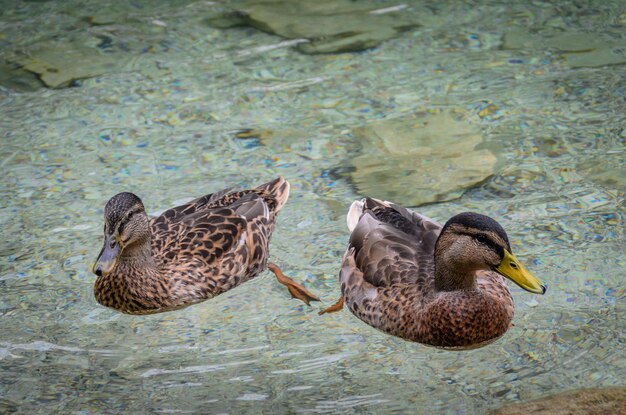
[(163, 127)]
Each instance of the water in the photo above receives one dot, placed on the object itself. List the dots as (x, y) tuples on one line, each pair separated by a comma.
[(163, 124)]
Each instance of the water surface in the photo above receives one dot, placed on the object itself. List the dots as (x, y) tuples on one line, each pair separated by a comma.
[(164, 125)]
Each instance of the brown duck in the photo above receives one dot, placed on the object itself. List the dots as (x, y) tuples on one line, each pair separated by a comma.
[(190, 253), (444, 286)]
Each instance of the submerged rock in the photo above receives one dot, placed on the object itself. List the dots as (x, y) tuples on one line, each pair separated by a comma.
[(104, 18), (606, 401), (578, 49), (329, 25), (14, 77), (614, 55), (608, 172), (59, 64), (423, 158)]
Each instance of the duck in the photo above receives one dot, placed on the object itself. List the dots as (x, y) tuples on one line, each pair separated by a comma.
[(440, 285), (189, 253)]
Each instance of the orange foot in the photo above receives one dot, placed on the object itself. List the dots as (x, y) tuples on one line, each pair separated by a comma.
[(296, 290), (333, 308)]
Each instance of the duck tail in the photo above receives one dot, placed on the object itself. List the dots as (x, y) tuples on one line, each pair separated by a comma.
[(359, 207), (279, 189), (354, 214)]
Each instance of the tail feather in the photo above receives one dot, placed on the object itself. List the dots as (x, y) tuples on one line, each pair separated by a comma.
[(251, 206), (278, 188), (358, 207), (354, 214)]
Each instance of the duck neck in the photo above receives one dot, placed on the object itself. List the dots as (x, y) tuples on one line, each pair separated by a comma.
[(450, 276), (138, 256), (137, 266), (133, 286)]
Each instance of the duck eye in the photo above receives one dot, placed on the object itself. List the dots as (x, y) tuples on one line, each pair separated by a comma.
[(482, 239)]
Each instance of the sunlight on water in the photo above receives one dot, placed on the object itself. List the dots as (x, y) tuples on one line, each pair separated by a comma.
[(180, 108)]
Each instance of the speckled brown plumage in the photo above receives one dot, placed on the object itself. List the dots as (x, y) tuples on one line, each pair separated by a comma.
[(189, 253), (408, 276)]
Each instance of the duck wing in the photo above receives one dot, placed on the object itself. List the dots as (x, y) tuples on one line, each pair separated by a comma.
[(223, 233), (224, 229), (392, 244), (178, 213), (275, 193), (202, 236)]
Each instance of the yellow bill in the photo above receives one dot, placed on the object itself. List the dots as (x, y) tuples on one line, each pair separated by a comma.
[(511, 268)]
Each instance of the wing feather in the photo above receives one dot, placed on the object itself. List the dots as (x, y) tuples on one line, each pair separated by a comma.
[(392, 244)]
